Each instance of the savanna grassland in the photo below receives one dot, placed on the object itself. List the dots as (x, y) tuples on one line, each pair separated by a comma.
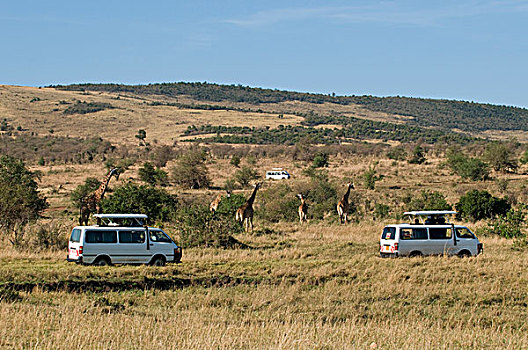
[(319, 285)]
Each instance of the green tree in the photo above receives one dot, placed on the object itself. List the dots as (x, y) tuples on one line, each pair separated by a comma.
[(510, 225), (81, 191), (466, 167), (235, 161), (141, 135), (149, 174), (370, 177), (524, 157), (418, 156), (477, 205), (190, 170), (320, 160), (157, 203), (20, 200), (245, 175), (501, 157), (429, 200)]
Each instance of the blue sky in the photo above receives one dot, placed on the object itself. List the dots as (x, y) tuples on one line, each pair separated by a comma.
[(464, 50)]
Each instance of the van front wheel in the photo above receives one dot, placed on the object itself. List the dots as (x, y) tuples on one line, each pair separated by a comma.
[(158, 261)]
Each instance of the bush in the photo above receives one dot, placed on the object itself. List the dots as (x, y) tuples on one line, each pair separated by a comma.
[(428, 200), (466, 167), (397, 153), (418, 156), (229, 205), (320, 194), (279, 203), (190, 170), (320, 160), (477, 205), (245, 175), (20, 200), (500, 156), (235, 161), (511, 224), (81, 191), (153, 176), (381, 211), (524, 158), (370, 177), (199, 227), (158, 204)]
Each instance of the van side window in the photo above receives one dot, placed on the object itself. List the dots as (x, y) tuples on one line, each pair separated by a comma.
[(419, 233), (158, 236), (439, 233), (388, 233), (463, 232), (131, 236), (101, 236), (75, 236)]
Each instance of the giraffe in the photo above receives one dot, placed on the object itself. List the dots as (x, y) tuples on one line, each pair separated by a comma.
[(92, 202), (214, 204), (343, 206), (303, 209), (244, 214)]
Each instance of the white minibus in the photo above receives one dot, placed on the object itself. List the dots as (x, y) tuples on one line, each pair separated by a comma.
[(122, 239), (434, 236)]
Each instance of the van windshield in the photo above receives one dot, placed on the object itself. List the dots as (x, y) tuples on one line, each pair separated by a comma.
[(389, 233), (463, 232)]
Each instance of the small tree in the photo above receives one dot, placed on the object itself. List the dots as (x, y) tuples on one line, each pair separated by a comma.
[(141, 135), (152, 176), (466, 167), (418, 156), (524, 158), (511, 224), (370, 177), (20, 201), (245, 175), (190, 170), (500, 156), (89, 186), (429, 200), (320, 160), (235, 161), (477, 205), (158, 204)]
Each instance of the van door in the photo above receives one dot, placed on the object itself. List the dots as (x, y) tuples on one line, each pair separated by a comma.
[(441, 240), (413, 239), (133, 246), (160, 243), (100, 242)]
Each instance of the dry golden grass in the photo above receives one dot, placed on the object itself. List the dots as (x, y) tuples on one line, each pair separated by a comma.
[(291, 291)]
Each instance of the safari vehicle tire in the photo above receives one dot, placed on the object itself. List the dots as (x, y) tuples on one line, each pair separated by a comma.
[(464, 254), (415, 253), (102, 261), (157, 261)]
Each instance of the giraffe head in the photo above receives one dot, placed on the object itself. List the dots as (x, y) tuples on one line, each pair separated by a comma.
[(300, 196), (114, 172), (257, 185), (350, 185)]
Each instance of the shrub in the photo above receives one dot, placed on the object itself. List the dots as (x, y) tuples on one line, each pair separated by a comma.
[(418, 156), (477, 205), (466, 167), (511, 224), (158, 204), (153, 176), (320, 160), (20, 200), (397, 153), (190, 170), (428, 200), (320, 194), (381, 211), (524, 158), (81, 191), (370, 177), (500, 156), (199, 227), (245, 175), (278, 203), (235, 161)]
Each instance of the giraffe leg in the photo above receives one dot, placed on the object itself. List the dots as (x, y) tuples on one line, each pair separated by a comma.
[(250, 220)]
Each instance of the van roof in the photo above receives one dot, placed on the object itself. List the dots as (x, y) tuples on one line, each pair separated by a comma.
[(121, 216), (430, 212)]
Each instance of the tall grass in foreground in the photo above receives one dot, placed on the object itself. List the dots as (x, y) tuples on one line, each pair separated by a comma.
[(320, 287)]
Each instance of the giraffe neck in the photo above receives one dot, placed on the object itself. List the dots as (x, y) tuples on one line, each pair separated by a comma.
[(252, 198), (99, 194), (345, 196)]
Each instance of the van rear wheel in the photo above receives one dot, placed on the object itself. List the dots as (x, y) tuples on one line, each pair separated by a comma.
[(464, 254), (103, 261), (415, 253), (158, 261)]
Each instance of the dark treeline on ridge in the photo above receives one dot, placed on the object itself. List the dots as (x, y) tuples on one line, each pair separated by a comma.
[(445, 114)]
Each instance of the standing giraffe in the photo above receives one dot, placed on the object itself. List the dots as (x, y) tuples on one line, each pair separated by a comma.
[(343, 206), (303, 209), (244, 214), (214, 204), (92, 202)]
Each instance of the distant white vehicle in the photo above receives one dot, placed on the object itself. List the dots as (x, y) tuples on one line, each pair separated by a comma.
[(432, 236), (122, 239), (277, 174)]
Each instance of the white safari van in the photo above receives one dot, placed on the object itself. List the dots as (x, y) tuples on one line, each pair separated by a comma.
[(277, 174), (432, 236), (122, 238)]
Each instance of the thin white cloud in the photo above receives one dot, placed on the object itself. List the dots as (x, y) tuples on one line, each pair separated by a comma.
[(389, 12)]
